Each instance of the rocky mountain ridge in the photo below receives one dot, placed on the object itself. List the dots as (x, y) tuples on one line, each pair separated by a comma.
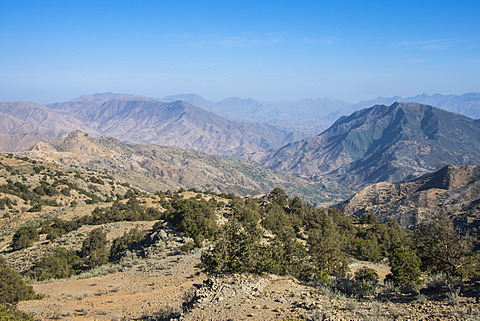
[(384, 143)]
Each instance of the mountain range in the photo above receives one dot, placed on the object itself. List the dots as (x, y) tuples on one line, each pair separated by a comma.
[(381, 143), (384, 143), (318, 114)]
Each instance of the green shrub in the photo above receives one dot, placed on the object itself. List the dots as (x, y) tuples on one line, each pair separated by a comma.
[(24, 237), (61, 263), (405, 267), (12, 287), (196, 218), (127, 241), (12, 314)]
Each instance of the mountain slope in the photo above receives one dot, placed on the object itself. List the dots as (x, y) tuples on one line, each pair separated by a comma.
[(452, 190), (152, 167), (144, 120), (384, 143)]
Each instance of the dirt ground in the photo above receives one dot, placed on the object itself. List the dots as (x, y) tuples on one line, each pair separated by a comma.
[(148, 286)]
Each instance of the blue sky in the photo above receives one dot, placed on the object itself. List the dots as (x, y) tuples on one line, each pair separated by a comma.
[(268, 50)]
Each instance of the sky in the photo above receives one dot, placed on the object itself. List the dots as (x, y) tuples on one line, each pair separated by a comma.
[(268, 50)]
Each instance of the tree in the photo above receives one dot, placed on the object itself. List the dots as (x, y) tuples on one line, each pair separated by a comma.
[(405, 267), (443, 248), (327, 243), (95, 248), (196, 218), (278, 196)]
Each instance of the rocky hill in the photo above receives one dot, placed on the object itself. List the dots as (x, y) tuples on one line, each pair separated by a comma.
[(153, 167), (384, 143), (452, 190)]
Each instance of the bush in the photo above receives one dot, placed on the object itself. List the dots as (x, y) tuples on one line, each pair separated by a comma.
[(12, 314), (24, 237), (127, 241), (12, 287), (366, 274), (196, 218), (61, 263)]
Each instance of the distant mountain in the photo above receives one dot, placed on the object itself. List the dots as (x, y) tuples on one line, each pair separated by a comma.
[(153, 167), (192, 99), (318, 114), (308, 116), (148, 121), (453, 190), (30, 118), (467, 104), (384, 143)]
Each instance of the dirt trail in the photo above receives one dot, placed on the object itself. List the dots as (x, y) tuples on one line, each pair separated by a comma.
[(149, 286)]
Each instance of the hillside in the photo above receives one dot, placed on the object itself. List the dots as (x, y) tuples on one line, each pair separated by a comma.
[(20, 142), (153, 167), (453, 190), (31, 189), (384, 143), (204, 256)]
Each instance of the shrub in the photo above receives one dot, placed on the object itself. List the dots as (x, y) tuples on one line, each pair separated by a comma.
[(366, 274), (12, 314), (61, 263), (24, 237), (196, 218), (127, 241), (12, 287)]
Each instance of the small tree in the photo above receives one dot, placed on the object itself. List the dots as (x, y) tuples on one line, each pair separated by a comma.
[(366, 274), (95, 248), (405, 266), (443, 248)]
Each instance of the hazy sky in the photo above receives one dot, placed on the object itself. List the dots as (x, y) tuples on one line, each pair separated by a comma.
[(267, 50)]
